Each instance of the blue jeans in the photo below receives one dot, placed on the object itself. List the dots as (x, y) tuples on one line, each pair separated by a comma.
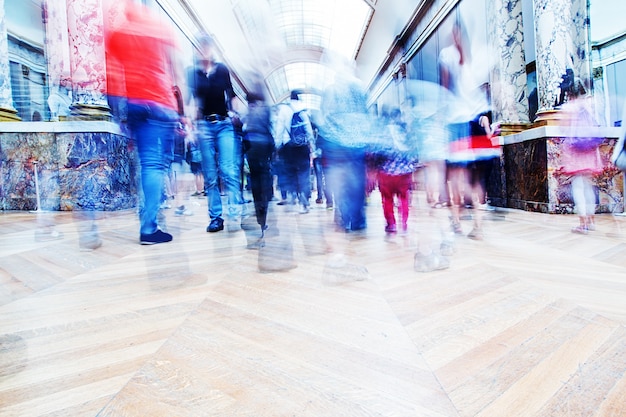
[(221, 159), (152, 126), (346, 180)]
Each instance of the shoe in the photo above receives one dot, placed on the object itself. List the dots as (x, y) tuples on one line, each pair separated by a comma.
[(154, 238), (486, 207), (166, 205), (216, 225), (429, 263), (456, 228), (47, 234), (197, 194), (319, 201), (182, 211), (90, 245), (475, 234), (304, 210), (282, 203), (582, 230), (256, 245), (329, 207), (391, 228)]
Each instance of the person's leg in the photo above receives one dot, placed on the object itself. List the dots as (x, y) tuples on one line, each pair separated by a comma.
[(229, 163), (456, 177), (590, 200), (403, 188), (207, 144), (580, 204), (319, 180), (259, 155), (385, 186), (289, 173), (356, 189), (153, 129), (303, 178)]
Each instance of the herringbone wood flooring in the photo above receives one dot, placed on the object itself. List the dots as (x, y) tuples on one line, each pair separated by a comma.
[(528, 322)]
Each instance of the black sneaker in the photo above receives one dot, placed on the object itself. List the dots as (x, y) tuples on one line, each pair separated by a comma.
[(216, 225), (157, 237)]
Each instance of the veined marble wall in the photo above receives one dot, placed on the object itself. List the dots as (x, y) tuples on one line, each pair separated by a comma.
[(562, 41), (508, 76), (80, 166), (57, 42), (86, 35), (609, 183), (533, 178)]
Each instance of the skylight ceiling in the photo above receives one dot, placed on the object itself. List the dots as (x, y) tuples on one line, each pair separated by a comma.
[(309, 27)]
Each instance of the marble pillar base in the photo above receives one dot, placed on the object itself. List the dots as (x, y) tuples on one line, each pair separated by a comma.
[(529, 176), (9, 115), (512, 128), (72, 166), (85, 112)]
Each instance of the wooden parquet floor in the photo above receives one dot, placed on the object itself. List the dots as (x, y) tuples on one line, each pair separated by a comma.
[(529, 321)]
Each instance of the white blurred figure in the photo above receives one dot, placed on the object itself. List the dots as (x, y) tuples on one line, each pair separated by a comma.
[(60, 99), (462, 75), (427, 126), (580, 155), (347, 130)]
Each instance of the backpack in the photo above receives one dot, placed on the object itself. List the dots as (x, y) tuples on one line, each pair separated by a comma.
[(298, 131)]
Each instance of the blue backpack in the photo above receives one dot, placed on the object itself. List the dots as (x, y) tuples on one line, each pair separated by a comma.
[(298, 131)]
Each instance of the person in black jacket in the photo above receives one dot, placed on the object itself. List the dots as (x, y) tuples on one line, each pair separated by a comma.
[(212, 91)]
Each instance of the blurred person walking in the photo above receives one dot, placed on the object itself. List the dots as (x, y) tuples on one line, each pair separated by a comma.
[(347, 130), (143, 47), (213, 95), (396, 163), (259, 148), (294, 137), (459, 74), (580, 156)]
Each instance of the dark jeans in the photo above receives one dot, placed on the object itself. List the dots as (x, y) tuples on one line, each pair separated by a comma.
[(320, 179), (259, 155), (346, 175), (297, 171)]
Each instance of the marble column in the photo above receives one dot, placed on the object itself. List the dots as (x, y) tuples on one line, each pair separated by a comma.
[(85, 20), (508, 75), (57, 48), (7, 111), (562, 41)]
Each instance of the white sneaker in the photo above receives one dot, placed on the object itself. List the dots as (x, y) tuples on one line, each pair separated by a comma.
[(182, 211)]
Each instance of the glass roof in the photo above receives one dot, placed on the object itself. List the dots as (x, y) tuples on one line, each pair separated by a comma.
[(314, 25)]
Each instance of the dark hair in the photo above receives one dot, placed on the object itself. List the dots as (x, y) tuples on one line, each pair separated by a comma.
[(295, 95), (254, 97), (205, 39)]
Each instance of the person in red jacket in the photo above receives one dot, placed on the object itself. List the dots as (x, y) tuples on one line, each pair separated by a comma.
[(141, 47)]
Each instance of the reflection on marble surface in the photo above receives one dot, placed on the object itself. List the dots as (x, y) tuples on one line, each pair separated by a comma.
[(609, 183), (533, 182), (93, 171), (525, 169)]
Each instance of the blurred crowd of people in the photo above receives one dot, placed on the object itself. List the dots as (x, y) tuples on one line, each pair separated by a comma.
[(285, 154)]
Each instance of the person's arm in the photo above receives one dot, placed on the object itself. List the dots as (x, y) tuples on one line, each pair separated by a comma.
[(230, 93)]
